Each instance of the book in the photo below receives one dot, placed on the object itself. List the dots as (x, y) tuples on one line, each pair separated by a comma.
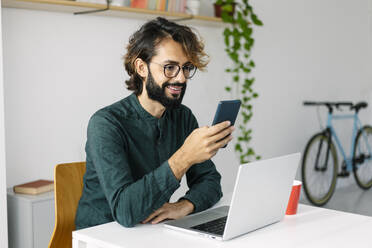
[(142, 4), (35, 187), (151, 4)]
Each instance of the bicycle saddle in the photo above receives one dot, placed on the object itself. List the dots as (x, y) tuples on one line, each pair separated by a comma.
[(359, 106)]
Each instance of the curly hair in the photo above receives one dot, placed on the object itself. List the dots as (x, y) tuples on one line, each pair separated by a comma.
[(143, 43)]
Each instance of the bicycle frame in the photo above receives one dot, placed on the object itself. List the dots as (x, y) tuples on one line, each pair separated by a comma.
[(349, 160)]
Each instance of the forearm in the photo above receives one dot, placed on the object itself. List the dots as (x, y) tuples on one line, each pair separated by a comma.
[(179, 163), (133, 203), (205, 187)]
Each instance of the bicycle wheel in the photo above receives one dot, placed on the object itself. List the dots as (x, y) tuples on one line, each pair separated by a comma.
[(319, 181), (362, 165)]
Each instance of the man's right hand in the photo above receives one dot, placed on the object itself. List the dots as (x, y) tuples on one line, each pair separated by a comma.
[(201, 145)]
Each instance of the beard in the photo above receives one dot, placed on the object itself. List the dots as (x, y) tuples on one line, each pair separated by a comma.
[(157, 93)]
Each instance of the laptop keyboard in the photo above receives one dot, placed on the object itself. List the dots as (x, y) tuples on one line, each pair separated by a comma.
[(216, 226)]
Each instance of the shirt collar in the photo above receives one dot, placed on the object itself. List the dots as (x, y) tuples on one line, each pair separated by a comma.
[(142, 112)]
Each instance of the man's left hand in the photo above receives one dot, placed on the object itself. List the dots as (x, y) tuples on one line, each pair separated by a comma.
[(172, 211)]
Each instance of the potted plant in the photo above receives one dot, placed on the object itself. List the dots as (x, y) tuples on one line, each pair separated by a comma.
[(238, 45), (218, 9)]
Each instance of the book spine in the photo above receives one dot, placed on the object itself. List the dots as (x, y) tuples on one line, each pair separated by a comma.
[(139, 4), (183, 9), (173, 5), (174, 9), (180, 6), (152, 4), (170, 5), (158, 4)]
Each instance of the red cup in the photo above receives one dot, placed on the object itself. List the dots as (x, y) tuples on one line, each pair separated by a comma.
[(293, 199)]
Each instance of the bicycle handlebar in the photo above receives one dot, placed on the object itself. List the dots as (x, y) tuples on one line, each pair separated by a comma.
[(330, 105), (336, 104)]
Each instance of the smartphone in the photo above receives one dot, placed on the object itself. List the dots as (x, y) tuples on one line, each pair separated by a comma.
[(227, 111)]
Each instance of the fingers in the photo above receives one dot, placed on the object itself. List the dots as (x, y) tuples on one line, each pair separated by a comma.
[(160, 218), (153, 215), (218, 128), (222, 143), (223, 134)]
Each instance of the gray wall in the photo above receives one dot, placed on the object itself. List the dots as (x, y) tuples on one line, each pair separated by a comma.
[(60, 68)]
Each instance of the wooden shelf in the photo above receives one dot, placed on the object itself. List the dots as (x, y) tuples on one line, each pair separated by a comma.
[(117, 11)]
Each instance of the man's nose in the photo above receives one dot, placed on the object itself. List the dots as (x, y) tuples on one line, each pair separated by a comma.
[(181, 77)]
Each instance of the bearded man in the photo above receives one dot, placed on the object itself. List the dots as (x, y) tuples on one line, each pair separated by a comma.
[(139, 148)]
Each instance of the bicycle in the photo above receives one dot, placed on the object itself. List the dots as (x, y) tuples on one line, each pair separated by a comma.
[(320, 162)]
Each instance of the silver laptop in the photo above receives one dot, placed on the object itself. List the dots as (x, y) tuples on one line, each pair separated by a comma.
[(260, 198)]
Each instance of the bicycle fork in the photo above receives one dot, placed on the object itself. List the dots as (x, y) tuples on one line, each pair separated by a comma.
[(322, 168)]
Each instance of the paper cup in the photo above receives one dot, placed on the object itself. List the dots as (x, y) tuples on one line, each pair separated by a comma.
[(293, 199)]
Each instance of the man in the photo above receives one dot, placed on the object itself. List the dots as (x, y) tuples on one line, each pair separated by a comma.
[(139, 148)]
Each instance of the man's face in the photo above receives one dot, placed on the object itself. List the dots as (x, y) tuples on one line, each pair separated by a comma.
[(167, 91), (159, 93)]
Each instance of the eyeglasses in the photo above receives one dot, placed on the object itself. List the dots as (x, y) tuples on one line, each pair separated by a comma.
[(172, 70)]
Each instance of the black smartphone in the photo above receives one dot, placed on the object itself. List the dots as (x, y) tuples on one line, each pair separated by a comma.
[(227, 111)]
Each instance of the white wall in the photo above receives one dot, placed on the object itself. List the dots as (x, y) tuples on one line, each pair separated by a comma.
[(60, 68), (3, 206), (313, 50)]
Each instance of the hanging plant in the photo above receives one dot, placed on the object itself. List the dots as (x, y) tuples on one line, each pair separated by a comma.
[(239, 42)]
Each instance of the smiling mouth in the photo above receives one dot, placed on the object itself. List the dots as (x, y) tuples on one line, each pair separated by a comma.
[(175, 89)]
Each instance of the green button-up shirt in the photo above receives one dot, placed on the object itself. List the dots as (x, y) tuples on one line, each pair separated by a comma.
[(127, 172)]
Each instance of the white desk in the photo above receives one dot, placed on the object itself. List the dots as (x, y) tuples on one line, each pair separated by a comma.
[(311, 227)]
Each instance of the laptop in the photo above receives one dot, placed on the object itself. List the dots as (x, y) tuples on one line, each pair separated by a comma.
[(260, 198)]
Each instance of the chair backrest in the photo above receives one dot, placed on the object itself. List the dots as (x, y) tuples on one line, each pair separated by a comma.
[(68, 187)]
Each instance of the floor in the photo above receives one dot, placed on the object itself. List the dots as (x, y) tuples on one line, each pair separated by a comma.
[(349, 199)]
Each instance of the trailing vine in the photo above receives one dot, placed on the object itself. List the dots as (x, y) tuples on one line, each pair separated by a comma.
[(239, 42)]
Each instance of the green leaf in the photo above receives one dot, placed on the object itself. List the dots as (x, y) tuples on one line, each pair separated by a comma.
[(226, 17), (234, 56), (248, 83), (252, 64), (228, 89), (227, 32), (255, 20), (255, 95), (227, 7), (238, 147), (236, 78), (250, 151)]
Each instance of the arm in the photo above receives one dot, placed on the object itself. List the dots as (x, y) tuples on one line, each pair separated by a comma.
[(203, 180), (204, 184), (130, 201), (193, 158)]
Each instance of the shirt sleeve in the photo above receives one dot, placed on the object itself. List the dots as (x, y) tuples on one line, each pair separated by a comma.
[(203, 180), (130, 201)]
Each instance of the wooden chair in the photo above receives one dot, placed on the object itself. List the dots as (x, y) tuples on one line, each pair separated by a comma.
[(68, 187)]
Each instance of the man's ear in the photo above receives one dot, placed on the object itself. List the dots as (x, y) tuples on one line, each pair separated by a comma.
[(141, 67)]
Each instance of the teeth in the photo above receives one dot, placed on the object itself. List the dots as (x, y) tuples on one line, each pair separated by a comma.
[(174, 88)]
